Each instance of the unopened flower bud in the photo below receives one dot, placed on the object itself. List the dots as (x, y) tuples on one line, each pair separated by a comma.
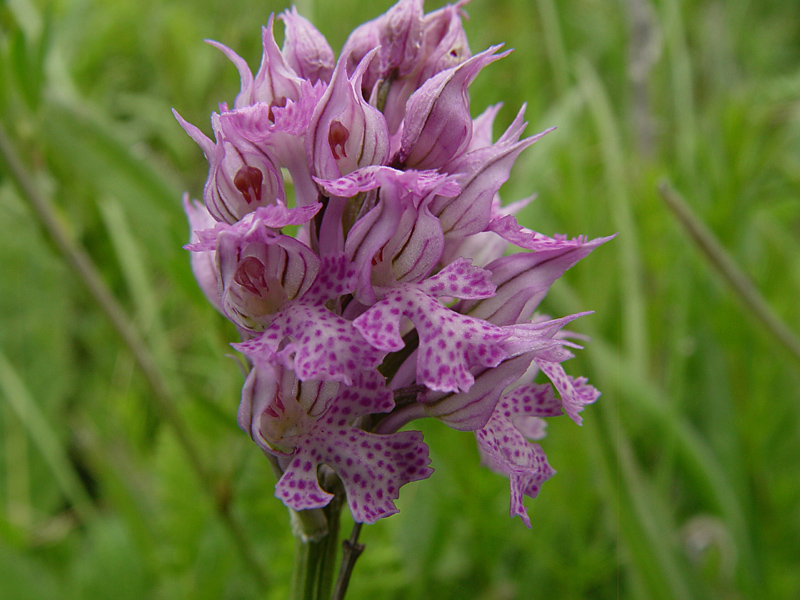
[(445, 43), (438, 126), (305, 49), (274, 83)]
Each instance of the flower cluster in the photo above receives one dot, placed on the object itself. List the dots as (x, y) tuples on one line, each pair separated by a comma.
[(351, 228)]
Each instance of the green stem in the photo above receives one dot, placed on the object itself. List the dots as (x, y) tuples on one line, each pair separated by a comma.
[(351, 550), (315, 555)]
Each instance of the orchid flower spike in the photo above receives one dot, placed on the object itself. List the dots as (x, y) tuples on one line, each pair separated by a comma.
[(352, 230)]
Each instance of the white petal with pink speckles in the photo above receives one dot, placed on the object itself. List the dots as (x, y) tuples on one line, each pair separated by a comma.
[(321, 345), (575, 393), (449, 343), (505, 449), (372, 467)]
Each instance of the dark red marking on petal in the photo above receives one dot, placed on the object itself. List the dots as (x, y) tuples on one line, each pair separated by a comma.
[(248, 181), (337, 138)]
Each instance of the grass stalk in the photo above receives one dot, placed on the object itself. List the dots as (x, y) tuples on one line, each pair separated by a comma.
[(722, 262)]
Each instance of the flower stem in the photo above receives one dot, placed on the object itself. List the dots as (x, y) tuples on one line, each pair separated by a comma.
[(351, 550), (315, 557), (401, 417)]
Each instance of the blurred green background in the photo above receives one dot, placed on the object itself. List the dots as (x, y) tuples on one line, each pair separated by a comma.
[(683, 481)]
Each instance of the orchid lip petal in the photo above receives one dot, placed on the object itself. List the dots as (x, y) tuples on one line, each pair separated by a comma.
[(372, 466), (449, 343), (504, 449)]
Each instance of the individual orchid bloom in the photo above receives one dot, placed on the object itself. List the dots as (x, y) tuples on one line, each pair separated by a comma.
[(259, 277), (372, 467), (256, 270), (310, 339), (305, 49), (279, 132), (346, 133), (449, 343), (315, 343), (504, 448), (437, 125), (522, 281), (241, 177), (469, 408), (412, 246)]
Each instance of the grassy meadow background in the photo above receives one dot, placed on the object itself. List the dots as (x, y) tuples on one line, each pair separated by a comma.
[(684, 481)]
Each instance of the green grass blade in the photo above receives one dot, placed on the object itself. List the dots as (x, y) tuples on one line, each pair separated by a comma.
[(554, 42), (44, 439), (626, 244), (685, 118), (644, 553), (644, 399), (133, 263)]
